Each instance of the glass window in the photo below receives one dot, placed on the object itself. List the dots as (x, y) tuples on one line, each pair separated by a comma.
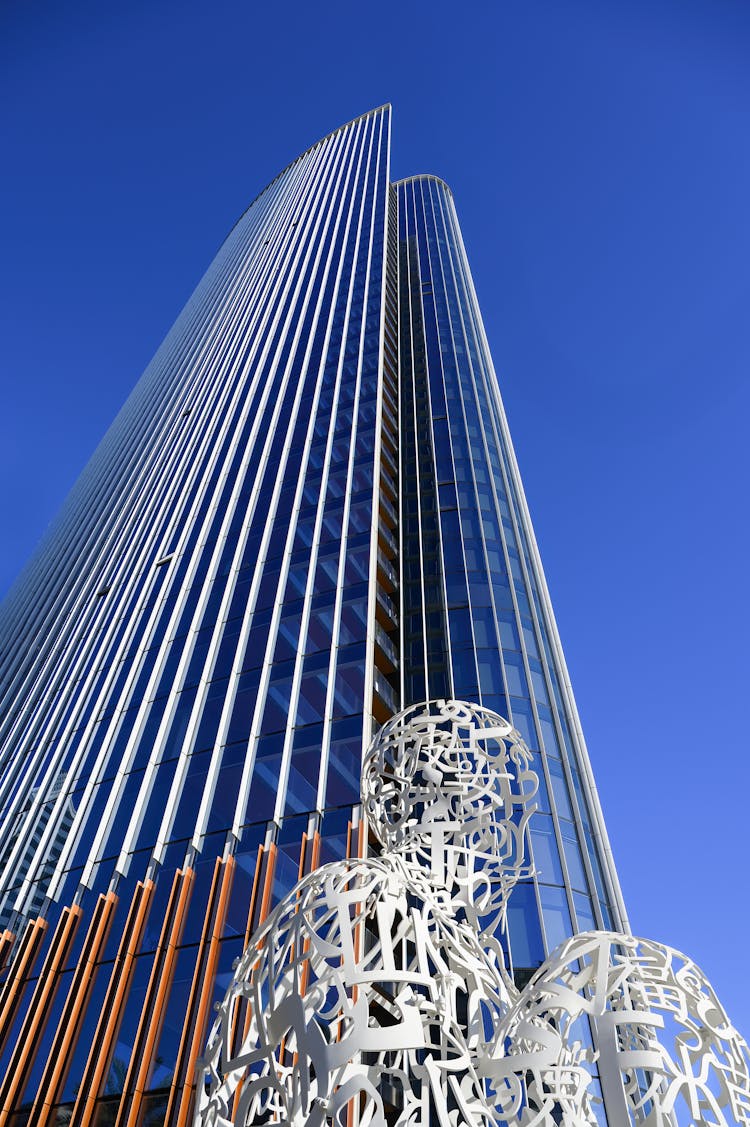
[(549, 737), (311, 703), (515, 675), (497, 702), (556, 915), (523, 720), (225, 795), (490, 674), (344, 759), (503, 597), (526, 943), (542, 794), (464, 669), (584, 912), (460, 628), (171, 1031), (573, 858), (244, 706), (275, 715), (242, 884), (529, 637), (560, 789), (538, 684), (544, 844), (484, 627), (264, 788)]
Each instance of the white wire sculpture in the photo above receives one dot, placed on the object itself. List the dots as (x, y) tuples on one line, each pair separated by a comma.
[(377, 992), (666, 1052), (449, 787), (359, 986)]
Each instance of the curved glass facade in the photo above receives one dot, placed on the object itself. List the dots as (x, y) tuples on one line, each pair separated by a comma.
[(478, 624), (307, 513)]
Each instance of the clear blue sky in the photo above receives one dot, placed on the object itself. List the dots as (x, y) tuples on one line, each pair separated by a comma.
[(598, 152)]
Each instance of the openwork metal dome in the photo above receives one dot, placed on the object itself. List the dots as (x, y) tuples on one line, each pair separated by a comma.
[(666, 1053), (449, 774)]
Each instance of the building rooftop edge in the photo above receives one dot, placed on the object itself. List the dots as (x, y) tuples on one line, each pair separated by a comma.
[(423, 176), (309, 149)]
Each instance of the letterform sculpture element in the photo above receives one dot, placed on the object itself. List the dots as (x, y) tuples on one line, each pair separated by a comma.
[(377, 991), (667, 1053), (449, 787), (361, 985), (369, 979)]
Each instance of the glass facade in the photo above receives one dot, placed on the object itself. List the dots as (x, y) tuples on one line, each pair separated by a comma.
[(477, 621), (307, 514)]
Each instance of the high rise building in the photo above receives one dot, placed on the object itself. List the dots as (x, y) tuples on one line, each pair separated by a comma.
[(307, 515)]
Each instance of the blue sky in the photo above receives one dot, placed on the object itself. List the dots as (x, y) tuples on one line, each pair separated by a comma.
[(598, 153)]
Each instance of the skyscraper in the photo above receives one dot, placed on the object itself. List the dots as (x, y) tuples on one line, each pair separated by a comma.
[(307, 514)]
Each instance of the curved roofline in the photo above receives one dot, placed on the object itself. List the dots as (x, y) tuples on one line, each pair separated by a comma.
[(309, 149), (424, 176)]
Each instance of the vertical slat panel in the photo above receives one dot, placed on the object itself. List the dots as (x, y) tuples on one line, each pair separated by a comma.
[(265, 899), (354, 849), (275, 355), (69, 1026), (37, 1014), (303, 853), (257, 886), (182, 1092), (308, 862), (255, 919), (154, 1004), (7, 939), (21, 967), (113, 1008), (314, 860)]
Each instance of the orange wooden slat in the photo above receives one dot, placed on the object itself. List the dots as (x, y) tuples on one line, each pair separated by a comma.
[(265, 901), (254, 922), (113, 1008), (18, 975), (71, 1018), (257, 883), (38, 1012), (7, 939), (304, 850), (182, 1093), (155, 1001)]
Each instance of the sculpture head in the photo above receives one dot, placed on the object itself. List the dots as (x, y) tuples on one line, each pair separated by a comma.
[(449, 780), (666, 1051)]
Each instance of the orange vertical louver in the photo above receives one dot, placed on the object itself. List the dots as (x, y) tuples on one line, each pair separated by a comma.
[(37, 1014), (108, 1027)]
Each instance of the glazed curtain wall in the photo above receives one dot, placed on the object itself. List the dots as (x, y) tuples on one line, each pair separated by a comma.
[(477, 619), (188, 669)]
